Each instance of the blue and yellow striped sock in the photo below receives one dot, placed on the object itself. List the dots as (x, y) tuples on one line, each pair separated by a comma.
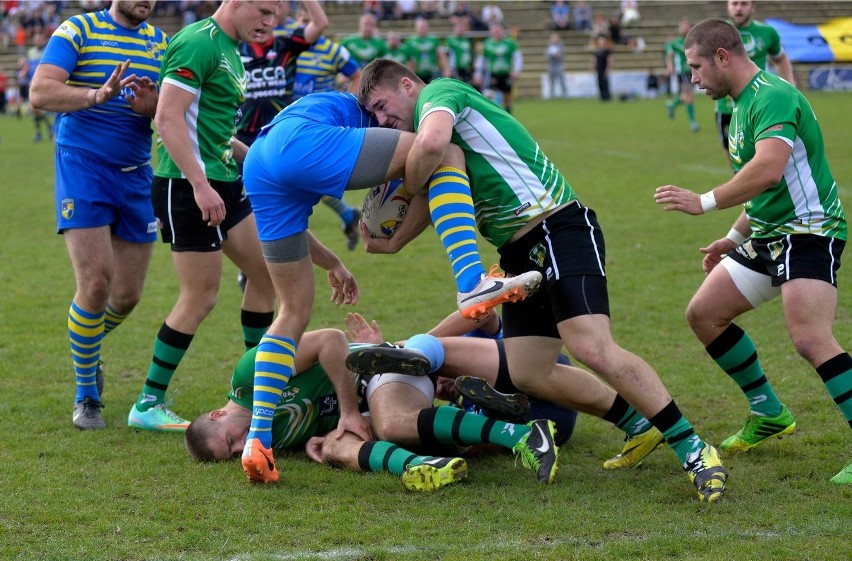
[(273, 367), (112, 319), (85, 332), (451, 208)]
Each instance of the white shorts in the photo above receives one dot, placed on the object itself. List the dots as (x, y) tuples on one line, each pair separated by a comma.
[(756, 287), (422, 383)]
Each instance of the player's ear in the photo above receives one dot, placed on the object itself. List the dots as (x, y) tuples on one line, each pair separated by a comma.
[(217, 414)]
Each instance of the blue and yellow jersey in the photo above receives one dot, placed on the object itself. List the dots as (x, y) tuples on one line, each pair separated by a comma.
[(318, 67), (89, 47)]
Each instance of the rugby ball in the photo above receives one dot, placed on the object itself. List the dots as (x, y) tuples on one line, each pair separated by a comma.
[(384, 208)]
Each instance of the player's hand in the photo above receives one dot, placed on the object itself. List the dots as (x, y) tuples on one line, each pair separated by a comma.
[(313, 448), (358, 330), (211, 204), (344, 289), (112, 87), (375, 245), (141, 94), (355, 423), (714, 253), (678, 198)]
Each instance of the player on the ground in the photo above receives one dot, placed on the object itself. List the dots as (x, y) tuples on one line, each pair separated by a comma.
[(788, 240), (400, 408)]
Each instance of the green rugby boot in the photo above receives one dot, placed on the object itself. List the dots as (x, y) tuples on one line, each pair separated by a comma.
[(538, 450), (758, 429)]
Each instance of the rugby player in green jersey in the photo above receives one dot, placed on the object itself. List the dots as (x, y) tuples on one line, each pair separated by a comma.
[(761, 42), (309, 412), (787, 241), (526, 209)]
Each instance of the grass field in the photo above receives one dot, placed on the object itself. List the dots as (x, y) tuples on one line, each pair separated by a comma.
[(120, 494)]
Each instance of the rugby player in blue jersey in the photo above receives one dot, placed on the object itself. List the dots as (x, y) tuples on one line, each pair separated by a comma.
[(99, 72)]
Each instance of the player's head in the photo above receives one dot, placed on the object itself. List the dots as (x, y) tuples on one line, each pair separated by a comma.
[(684, 26), (710, 46), (421, 27), (367, 25), (134, 13), (249, 21), (461, 25), (497, 31), (389, 91), (216, 436), (741, 11)]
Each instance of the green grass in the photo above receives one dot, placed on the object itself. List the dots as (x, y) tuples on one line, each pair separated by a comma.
[(120, 494)]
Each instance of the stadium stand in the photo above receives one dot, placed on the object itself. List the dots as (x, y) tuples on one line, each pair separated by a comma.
[(530, 22)]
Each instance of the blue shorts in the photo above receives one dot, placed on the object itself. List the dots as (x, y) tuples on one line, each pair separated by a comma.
[(91, 194), (291, 166)]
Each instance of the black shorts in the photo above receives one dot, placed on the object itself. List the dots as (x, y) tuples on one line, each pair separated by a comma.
[(567, 248), (796, 256), (502, 83), (684, 82), (723, 123), (180, 218)]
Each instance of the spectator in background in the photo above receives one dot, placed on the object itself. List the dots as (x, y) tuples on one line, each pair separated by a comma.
[(602, 64), (406, 9), (600, 26), (555, 68), (629, 12), (560, 14), (491, 14), (4, 81), (652, 84), (582, 16)]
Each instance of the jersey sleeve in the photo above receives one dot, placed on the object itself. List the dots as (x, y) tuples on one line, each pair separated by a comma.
[(439, 95), (774, 48), (775, 115), (187, 65), (63, 48), (346, 64), (242, 381)]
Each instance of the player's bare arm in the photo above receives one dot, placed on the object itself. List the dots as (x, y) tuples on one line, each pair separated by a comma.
[(171, 124), (762, 172), (428, 151), (50, 92)]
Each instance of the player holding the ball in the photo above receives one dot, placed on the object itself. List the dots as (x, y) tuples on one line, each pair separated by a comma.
[(527, 209), (324, 144)]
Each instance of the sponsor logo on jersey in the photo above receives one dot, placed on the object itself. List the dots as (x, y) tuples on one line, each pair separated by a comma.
[(426, 106), (522, 208), (67, 206), (105, 43), (774, 128)]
